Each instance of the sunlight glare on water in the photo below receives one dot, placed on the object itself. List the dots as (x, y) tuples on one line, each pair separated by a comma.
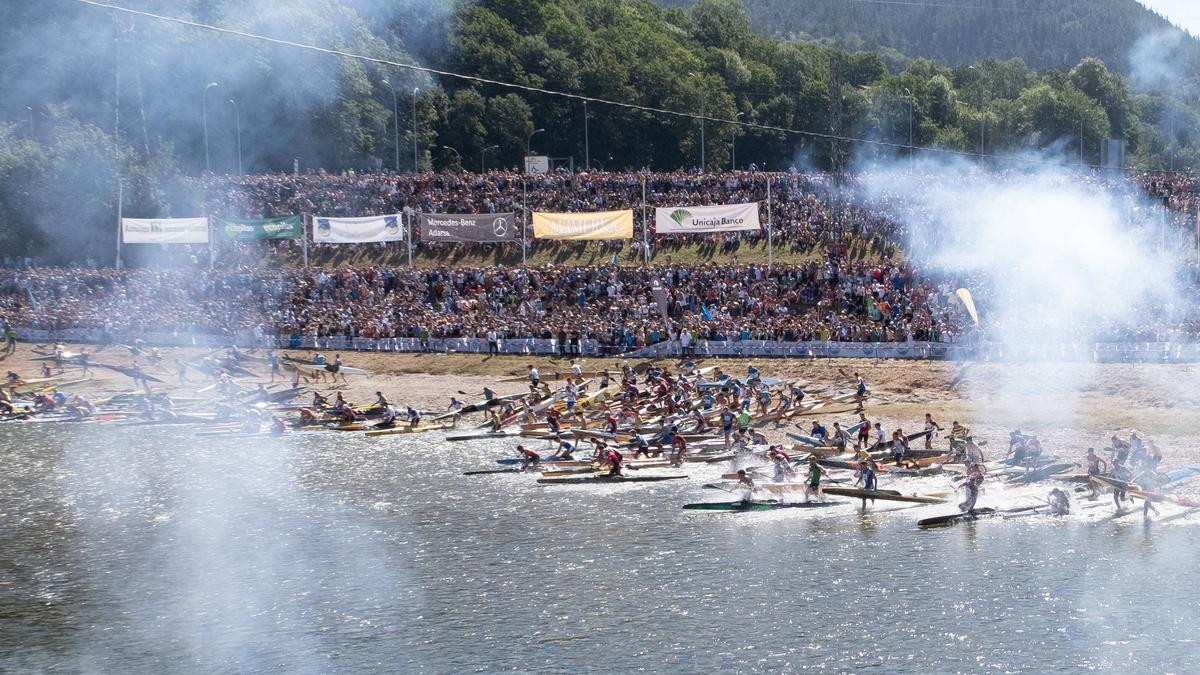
[(152, 550)]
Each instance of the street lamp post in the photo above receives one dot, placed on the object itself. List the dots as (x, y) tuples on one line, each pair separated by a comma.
[(237, 120), (733, 142), (456, 154), (416, 165), (483, 158), (204, 112), (395, 125), (702, 143), (910, 124), (529, 140), (587, 147)]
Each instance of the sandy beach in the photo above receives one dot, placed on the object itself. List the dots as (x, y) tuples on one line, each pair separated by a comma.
[(1070, 406)]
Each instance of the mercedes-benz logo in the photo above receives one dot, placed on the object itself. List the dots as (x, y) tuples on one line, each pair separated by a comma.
[(500, 227)]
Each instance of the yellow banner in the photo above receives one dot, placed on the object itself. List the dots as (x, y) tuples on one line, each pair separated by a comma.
[(593, 225)]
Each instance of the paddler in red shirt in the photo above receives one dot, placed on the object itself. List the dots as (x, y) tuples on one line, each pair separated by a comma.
[(614, 459)]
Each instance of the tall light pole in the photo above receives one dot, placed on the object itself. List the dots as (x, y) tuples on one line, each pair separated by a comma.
[(587, 148), (237, 120), (204, 112), (456, 154), (909, 94), (416, 145), (529, 140), (733, 142), (483, 158), (702, 143), (395, 125)]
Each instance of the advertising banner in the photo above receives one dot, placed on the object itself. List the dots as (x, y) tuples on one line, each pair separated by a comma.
[(164, 230), (358, 230), (474, 227), (692, 219), (592, 225), (287, 227)]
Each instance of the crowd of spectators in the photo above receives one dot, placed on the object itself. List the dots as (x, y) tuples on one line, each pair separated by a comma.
[(876, 296), (619, 306)]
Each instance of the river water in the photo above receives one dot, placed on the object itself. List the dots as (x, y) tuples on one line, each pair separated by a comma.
[(150, 550)]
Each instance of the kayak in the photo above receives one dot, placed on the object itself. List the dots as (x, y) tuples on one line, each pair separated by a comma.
[(483, 435), (410, 430), (950, 519), (885, 495), (607, 479), (767, 505), (331, 368), (1039, 474), (490, 471)]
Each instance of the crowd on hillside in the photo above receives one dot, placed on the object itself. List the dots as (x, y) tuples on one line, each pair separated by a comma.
[(810, 211), (620, 307)]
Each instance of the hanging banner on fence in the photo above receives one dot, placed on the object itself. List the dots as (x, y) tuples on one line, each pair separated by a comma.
[(358, 230), (288, 227), (164, 230), (689, 219), (593, 225), (474, 227)]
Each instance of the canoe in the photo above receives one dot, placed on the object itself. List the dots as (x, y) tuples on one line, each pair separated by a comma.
[(884, 495), (607, 479), (950, 519), (756, 505), (410, 430), (482, 472)]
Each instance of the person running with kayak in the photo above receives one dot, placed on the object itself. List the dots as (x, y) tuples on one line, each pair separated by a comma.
[(414, 416), (930, 427), (813, 485), (864, 432), (899, 446), (727, 422), (678, 450), (973, 482), (868, 475), (1096, 466)]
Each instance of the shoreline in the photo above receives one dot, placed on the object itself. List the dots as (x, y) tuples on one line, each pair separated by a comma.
[(1071, 406)]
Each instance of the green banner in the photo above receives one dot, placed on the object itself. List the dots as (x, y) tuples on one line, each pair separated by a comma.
[(288, 227)]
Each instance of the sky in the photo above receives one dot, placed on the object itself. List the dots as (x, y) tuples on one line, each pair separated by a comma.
[(1184, 13)]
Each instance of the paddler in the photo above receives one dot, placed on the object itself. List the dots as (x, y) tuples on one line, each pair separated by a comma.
[(743, 420), (278, 426), (813, 485), (493, 420), (529, 458), (640, 446), (46, 373), (414, 416), (1096, 466), (553, 417), (253, 421), (381, 400), (973, 481), (860, 390), (614, 458), (389, 418), (818, 432), (745, 481), (678, 450), (727, 421), (1060, 503), (868, 474), (899, 446), (840, 438), (864, 432), (576, 371), (566, 449), (782, 462), (930, 428), (535, 378)]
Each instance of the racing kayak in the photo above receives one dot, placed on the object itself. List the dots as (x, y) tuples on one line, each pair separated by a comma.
[(410, 430), (1039, 474), (483, 435), (950, 519), (885, 495), (607, 479), (330, 368), (483, 472), (767, 505)]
